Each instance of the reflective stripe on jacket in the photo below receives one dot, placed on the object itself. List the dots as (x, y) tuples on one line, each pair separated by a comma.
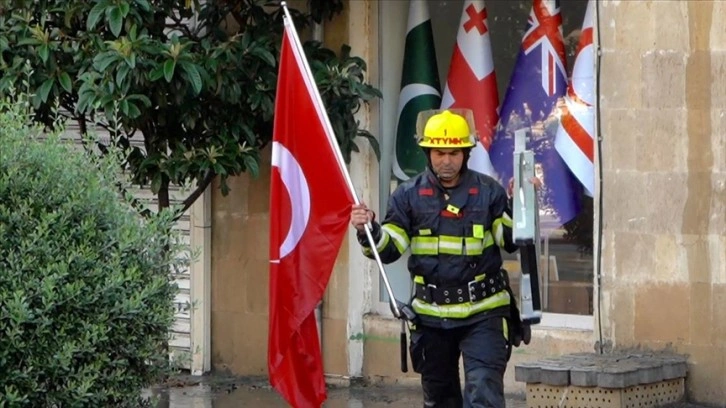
[(452, 241)]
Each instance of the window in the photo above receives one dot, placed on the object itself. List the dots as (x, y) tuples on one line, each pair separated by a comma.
[(567, 280)]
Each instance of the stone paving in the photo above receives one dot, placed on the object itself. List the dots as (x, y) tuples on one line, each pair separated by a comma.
[(217, 392), (228, 392)]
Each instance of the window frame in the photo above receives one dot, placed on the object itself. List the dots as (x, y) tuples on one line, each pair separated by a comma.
[(389, 84)]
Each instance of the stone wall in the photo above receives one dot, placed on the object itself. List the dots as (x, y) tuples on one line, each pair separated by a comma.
[(240, 251), (663, 124)]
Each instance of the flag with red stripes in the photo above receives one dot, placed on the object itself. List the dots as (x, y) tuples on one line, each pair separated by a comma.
[(575, 136), (471, 82)]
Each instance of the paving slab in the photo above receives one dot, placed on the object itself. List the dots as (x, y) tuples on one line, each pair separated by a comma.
[(217, 391), (614, 370), (233, 392)]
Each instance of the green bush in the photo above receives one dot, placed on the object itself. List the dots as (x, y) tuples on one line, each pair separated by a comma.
[(85, 293)]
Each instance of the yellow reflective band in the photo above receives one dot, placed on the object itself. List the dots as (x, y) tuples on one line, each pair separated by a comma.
[(424, 232), (461, 310), (380, 245), (450, 245), (499, 231), (506, 220), (399, 236), (424, 246), (473, 246), (478, 231), (420, 279), (505, 329)]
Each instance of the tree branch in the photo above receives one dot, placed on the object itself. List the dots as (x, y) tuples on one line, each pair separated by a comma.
[(179, 25), (206, 181)]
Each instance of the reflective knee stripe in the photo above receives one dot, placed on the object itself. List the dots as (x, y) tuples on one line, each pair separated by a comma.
[(398, 235), (498, 228), (461, 310), (505, 329), (446, 244)]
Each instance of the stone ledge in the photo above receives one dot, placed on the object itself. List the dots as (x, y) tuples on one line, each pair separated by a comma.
[(631, 379), (614, 370)]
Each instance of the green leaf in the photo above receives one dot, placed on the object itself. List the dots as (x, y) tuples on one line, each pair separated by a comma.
[(194, 76), (132, 31), (43, 52), (29, 41), (264, 54), (156, 73), (131, 60), (65, 81), (103, 60), (156, 183), (133, 111), (124, 8), (144, 4), (86, 97), (169, 69), (143, 98), (94, 15), (252, 165), (45, 89), (124, 106), (115, 19), (373, 142), (123, 70)]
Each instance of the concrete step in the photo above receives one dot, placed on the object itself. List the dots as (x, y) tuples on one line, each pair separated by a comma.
[(616, 380)]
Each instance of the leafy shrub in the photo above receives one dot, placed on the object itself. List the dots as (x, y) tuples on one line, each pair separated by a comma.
[(85, 293)]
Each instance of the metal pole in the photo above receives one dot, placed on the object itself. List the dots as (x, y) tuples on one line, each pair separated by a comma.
[(546, 277), (339, 156), (318, 36)]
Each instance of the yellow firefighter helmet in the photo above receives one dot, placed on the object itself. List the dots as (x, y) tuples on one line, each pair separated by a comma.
[(446, 128)]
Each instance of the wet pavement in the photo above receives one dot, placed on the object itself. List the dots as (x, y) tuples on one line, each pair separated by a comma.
[(228, 392)]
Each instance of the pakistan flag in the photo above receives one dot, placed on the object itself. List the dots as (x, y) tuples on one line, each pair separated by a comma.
[(420, 90)]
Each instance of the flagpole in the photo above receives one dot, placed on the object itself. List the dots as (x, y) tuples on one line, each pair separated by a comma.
[(339, 158)]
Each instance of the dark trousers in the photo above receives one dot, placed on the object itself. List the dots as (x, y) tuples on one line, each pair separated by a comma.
[(435, 355)]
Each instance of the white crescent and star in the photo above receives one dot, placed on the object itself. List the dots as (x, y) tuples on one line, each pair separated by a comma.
[(297, 188)]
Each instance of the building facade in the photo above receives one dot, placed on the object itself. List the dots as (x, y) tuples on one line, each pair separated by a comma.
[(655, 274)]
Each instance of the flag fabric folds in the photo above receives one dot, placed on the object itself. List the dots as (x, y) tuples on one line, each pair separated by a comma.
[(471, 81), (309, 212), (420, 90), (533, 101), (575, 136)]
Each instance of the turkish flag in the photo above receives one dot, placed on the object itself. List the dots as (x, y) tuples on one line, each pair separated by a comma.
[(471, 82), (309, 212)]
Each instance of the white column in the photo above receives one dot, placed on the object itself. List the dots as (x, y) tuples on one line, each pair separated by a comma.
[(363, 40), (200, 231)]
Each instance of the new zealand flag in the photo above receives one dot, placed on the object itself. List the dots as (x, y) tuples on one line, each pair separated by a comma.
[(533, 100)]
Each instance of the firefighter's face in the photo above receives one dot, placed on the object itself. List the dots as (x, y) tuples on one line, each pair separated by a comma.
[(447, 163)]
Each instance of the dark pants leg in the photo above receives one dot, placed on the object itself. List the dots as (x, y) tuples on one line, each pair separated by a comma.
[(435, 355), (484, 347)]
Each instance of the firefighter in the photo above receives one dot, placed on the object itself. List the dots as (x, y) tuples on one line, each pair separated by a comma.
[(454, 221)]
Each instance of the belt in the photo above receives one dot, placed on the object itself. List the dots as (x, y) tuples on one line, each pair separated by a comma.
[(480, 288)]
